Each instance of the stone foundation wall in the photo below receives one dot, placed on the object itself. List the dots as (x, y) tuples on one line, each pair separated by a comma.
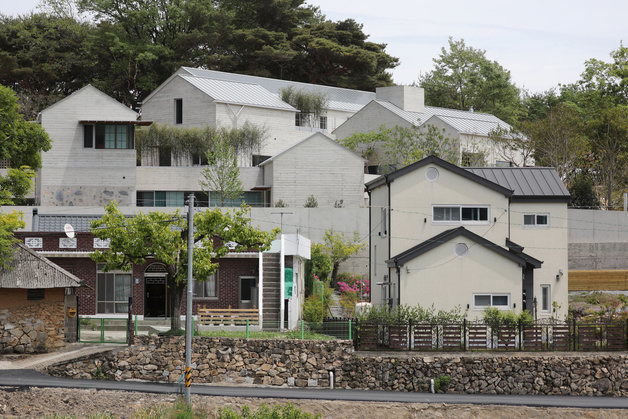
[(32, 328), (308, 363)]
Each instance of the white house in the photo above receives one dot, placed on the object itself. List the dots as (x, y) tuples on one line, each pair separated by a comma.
[(474, 238), (404, 106), (194, 97), (92, 159)]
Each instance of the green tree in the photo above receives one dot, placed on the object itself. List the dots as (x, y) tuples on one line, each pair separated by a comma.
[(223, 174), (320, 262), (464, 78), (339, 248), (582, 192), (8, 224), (161, 237), (395, 147)]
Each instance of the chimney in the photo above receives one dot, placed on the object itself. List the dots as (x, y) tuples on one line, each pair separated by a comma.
[(408, 98), (35, 220)]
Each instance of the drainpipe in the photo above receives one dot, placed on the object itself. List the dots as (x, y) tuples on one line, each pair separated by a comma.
[(398, 285)]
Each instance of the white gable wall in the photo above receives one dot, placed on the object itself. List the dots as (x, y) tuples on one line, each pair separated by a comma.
[(74, 175), (379, 231), (320, 168), (368, 119), (412, 198), (442, 278)]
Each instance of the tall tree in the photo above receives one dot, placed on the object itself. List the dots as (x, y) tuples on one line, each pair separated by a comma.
[(340, 248), (463, 78), (162, 237), (222, 175)]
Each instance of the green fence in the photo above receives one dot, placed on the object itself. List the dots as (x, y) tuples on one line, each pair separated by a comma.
[(102, 330)]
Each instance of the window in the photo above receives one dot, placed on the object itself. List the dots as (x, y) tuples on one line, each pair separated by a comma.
[(206, 289), (300, 119), (258, 158), (539, 220), (472, 159), (545, 298), (199, 159), (251, 198), (104, 136), (113, 290), (35, 294), (178, 111), (323, 122), (481, 301), (384, 225), (160, 198), (501, 163), (165, 156), (459, 213)]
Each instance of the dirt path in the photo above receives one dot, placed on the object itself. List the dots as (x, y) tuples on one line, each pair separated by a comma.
[(38, 402)]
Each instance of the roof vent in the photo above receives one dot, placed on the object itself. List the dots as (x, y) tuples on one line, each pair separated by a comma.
[(461, 250)]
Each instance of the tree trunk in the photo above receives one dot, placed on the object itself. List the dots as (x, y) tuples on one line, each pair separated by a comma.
[(175, 292), (334, 272)]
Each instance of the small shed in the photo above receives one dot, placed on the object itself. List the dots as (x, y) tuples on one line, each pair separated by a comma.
[(37, 304)]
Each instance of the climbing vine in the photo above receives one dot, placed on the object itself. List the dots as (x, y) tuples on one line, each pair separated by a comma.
[(311, 104), (185, 142)]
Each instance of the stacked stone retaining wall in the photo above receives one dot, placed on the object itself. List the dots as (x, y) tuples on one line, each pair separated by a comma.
[(32, 328), (308, 363)]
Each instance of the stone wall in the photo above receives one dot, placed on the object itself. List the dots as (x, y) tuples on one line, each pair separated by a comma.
[(32, 328), (308, 363)]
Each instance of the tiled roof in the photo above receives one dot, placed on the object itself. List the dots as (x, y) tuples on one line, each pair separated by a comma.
[(339, 98), (55, 223), (466, 122), (238, 93), (526, 182)]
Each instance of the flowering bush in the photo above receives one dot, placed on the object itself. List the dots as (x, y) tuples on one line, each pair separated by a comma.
[(355, 284)]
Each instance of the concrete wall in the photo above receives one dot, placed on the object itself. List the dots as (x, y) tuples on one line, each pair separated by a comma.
[(321, 168), (74, 175), (179, 178), (303, 363)]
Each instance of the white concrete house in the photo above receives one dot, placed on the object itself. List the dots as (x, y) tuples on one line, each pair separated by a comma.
[(194, 97), (404, 106), (474, 238), (92, 159)]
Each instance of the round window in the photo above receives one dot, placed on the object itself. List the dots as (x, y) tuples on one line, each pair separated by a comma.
[(431, 174), (461, 249)]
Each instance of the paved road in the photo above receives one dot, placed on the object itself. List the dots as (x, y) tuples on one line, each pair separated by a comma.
[(31, 378)]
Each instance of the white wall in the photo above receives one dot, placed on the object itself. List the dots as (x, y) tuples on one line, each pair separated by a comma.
[(442, 278), (74, 175), (181, 178)]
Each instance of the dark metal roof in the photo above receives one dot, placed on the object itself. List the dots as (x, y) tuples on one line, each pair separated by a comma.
[(518, 250), (527, 183), (444, 164), (447, 235)]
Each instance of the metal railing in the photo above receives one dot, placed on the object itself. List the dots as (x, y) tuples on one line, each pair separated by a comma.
[(469, 336)]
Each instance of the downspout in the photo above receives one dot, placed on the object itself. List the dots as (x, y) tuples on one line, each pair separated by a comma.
[(389, 220), (508, 218), (398, 285), (260, 287), (370, 247)]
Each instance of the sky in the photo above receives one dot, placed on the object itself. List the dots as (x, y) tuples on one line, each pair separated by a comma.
[(542, 43)]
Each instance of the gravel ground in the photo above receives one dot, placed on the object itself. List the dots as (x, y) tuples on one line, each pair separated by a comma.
[(39, 402)]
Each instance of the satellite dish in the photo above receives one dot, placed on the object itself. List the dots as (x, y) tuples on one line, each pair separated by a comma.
[(69, 230)]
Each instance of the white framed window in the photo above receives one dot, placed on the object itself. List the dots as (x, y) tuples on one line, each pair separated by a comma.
[(322, 122), (546, 298), (481, 301), (463, 214), (113, 290), (536, 219), (206, 289)]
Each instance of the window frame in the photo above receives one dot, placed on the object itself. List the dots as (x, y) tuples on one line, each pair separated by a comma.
[(460, 220), (216, 288), (322, 122), (536, 216), (90, 139), (492, 295), (115, 302), (549, 299), (178, 111)]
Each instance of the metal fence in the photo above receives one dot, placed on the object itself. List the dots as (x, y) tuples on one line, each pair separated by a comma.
[(469, 336)]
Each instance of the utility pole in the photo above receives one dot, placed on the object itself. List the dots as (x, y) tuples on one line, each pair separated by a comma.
[(188, 308)]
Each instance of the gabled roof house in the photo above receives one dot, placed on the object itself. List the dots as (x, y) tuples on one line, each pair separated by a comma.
[(469, 237)]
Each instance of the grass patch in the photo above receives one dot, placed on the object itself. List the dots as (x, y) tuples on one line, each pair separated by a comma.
[(172, 332), (179, 410), (287, 411)]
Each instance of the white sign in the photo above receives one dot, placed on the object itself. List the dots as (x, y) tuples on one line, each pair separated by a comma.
[(34, 242)]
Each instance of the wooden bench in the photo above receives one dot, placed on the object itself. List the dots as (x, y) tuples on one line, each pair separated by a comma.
[(228, 316)]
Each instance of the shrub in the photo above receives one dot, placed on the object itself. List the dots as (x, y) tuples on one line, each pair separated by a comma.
[(287, 411), (311, 202), (414, 314), (348, 301), (492, 317), (320, 262), (313, 309), (442, 382), (526, 318), (280, 204)]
